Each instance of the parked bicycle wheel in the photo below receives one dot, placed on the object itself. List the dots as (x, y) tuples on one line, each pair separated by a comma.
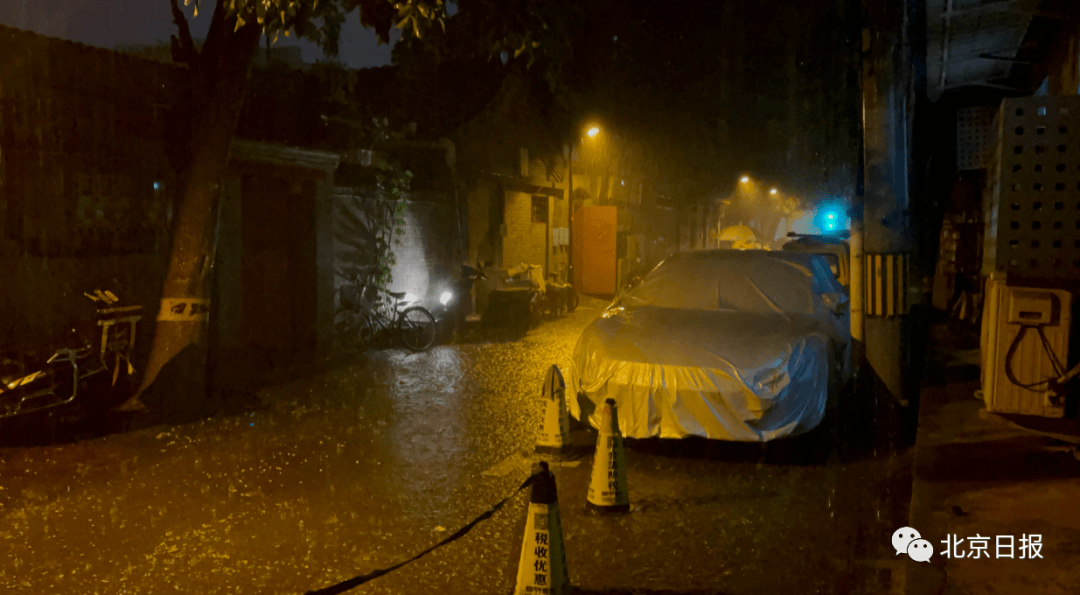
[(365, 332), (352, 331), (417, 328)]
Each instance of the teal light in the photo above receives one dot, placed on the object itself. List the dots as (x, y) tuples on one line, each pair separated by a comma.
[(831, 218)]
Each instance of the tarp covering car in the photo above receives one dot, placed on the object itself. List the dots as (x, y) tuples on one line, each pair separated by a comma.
[(722, 344)]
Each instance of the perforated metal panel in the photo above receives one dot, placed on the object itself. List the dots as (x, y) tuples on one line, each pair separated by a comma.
[(975, 137), (1033, 215)]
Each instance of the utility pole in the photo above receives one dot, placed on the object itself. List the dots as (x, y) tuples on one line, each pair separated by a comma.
[(881, 226)]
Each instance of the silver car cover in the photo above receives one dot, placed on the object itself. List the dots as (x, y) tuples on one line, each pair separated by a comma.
[(728, 346)]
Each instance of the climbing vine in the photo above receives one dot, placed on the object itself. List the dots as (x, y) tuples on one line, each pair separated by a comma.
[(388, 211)]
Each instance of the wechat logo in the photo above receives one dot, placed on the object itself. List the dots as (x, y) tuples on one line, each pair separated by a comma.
[(908, 541)]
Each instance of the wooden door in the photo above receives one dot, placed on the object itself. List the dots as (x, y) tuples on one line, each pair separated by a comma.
[(278, 265)]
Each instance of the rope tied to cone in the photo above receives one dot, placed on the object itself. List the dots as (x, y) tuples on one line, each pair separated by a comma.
[(543, 484)]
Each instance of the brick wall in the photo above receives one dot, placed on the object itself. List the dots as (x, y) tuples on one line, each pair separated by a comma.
[(559, 259), (525, 241)]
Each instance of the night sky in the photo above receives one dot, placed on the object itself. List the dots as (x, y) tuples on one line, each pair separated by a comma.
[(109, 23)]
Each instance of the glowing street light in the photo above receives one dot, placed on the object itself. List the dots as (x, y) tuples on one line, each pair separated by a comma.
[(773, 192), (591, 132), (745, 179)]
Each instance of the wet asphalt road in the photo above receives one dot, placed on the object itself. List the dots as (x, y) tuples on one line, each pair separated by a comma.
[(374, 461)]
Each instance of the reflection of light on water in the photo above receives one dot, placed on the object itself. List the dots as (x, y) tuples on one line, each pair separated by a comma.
[(431, 435)]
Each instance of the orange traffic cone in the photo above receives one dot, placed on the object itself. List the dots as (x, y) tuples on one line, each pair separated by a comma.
[(542, 566), (554, 435), (607, 489)]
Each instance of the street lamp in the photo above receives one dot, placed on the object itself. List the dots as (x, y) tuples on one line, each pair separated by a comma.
[(772, 191), (591, 133), (745, 179)]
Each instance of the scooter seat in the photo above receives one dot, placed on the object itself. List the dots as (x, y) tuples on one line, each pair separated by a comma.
[(397, 295)]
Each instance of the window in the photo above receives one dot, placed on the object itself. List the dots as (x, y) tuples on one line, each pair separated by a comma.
[(540, 209)]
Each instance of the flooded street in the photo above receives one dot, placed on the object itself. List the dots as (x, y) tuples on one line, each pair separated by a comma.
[(369, 464), (254, 256)]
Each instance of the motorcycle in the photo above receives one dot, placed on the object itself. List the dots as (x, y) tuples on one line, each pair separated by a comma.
[(455, 305), (29, 384)]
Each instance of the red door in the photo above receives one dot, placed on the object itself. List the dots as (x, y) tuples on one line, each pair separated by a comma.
[(594, 249)]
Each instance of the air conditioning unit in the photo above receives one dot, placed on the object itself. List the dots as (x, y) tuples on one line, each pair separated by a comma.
[(1024, 344)]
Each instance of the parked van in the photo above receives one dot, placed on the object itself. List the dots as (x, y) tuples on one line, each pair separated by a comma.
[(837, 251)]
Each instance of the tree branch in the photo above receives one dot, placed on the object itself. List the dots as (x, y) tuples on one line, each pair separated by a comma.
[(182, 46)]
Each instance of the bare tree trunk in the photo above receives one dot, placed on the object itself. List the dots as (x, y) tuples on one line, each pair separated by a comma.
[(218, 81)]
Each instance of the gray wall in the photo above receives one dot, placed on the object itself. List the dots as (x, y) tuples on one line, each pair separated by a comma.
[(430, 251)]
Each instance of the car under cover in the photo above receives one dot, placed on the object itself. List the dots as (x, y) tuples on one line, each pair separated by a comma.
[(727, 345)]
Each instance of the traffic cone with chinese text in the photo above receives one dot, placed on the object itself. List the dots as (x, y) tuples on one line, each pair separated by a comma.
[(542, 566), (554, 435), (608, 491)]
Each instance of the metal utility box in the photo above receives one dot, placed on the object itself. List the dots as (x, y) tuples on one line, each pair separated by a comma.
[(1032, 214), (1011, 342)]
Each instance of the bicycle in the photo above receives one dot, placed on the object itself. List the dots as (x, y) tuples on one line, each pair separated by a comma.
[(359, 322)]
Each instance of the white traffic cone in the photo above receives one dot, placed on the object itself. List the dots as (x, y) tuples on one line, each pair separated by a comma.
[(554, 435), (608, 491), (542, 566)]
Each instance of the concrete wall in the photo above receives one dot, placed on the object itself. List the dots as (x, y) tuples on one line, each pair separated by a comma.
[(428, 256)]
